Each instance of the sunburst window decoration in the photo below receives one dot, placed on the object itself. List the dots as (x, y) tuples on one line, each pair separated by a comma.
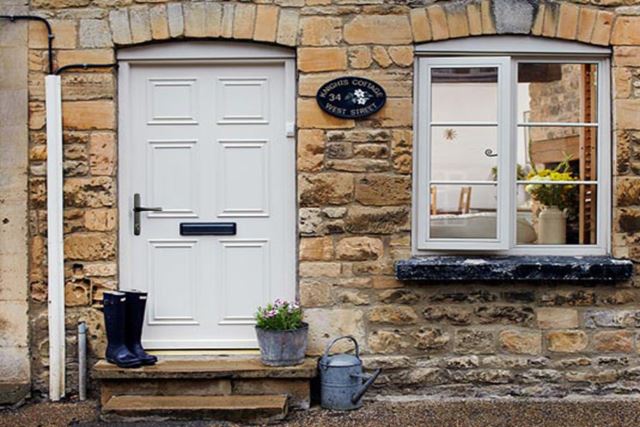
[(450, 134)]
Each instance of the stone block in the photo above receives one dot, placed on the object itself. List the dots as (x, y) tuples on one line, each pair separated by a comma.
[(383, 190), (513, 16), (320, 31), (474, 341), (521, 342), (352, 297), (298, 390), (602, 28), (100, 219), (94, 33), (310, 150), (626, 31), (288, 27), (626, 113), (102, 153), (586, 21), (557, 318), (120, 29), (325, 189), (613, 341), (399, 296), (315, 294), (385, 342), (316, 249), (316, 59), (244, 21), (93, 192), (319, 269), (568, 21), (393, 314), (474, 15), (381, 56), (566, 341), (359, 57), (438, 20), (194, 19), (550, 23), (359, 248), (431, 339), (266, 23), (378, 220), (457, 21), (159, 22), (85, 56), (397, 112), (366, 29), (140, 24), (175, 19), (87, 86), (455, 315), (90, 246), (89, 115), (13, 324), (326, 324), (488, 24), (213, 19), (420, 26), (401, 55)]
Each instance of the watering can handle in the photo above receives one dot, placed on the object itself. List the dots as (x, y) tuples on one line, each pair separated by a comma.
[(349, 337)]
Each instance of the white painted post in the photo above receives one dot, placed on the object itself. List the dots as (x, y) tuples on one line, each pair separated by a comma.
[(55, 238)]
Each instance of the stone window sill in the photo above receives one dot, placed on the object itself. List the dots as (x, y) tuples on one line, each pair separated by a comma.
[(514, 268)]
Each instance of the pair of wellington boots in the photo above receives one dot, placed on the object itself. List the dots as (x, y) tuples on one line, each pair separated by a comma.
[(123, 320)]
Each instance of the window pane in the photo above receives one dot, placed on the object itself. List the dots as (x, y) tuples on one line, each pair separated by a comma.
[(464, 94), (463, 212), (557, 93), (464, 153), (542, 150), (556, 214)]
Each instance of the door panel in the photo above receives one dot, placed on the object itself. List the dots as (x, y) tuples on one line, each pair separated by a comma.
[(207, 143)]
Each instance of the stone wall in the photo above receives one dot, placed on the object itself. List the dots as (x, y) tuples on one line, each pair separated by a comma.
[(14, 140), (354, 189)]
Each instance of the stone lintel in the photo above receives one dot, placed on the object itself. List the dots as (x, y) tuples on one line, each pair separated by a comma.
[(514, 268)]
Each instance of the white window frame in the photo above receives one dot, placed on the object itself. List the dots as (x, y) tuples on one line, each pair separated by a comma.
[(507, 51)]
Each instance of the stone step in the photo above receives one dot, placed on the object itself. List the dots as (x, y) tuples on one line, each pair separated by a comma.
[(218, 376), (232, 367), (263, 409)]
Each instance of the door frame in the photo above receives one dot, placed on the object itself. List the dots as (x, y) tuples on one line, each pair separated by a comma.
[(201, 52)]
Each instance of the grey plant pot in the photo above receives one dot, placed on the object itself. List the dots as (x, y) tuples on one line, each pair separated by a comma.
[(283, 348)]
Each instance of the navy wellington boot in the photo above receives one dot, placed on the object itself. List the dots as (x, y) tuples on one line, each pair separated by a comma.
[(114, 322), (135, 305)]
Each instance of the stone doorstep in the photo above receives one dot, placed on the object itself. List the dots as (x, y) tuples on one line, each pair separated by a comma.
[(227, 367), (298, 390), (269, 408)]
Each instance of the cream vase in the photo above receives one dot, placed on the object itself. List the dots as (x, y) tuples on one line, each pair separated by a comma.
[(552, 226)]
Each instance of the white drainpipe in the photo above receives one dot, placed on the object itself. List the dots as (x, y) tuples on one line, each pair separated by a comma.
[(55, 238)]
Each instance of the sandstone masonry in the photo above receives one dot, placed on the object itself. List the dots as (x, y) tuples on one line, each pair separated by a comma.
[(354, 190)]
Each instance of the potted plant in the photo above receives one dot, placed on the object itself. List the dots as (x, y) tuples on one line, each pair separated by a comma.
[(554, 199), (282, 335)]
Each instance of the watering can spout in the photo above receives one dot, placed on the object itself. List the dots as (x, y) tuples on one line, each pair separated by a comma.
[(363, 389)]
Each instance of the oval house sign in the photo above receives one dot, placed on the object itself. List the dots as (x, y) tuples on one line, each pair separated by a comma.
[(351, 97)]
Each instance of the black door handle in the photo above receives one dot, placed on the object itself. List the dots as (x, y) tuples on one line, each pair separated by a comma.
[(136, 213)]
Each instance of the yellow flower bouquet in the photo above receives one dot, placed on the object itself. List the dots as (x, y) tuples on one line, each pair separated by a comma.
[(551, 194)]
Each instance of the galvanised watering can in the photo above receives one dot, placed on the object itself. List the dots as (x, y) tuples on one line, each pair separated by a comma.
[(342, 382)]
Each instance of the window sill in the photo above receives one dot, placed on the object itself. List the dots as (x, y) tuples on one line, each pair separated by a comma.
[(514, 268)]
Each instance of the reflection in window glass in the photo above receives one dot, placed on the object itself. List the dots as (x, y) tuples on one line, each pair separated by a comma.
[(464, 153), (453, 89), (552, 92), (463, 211), (541, 148), (557, 214)]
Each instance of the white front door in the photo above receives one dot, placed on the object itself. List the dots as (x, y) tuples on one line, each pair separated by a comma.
[(208, 143)]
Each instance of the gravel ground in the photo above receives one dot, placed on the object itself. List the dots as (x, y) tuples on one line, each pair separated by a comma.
[(424, 413)]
